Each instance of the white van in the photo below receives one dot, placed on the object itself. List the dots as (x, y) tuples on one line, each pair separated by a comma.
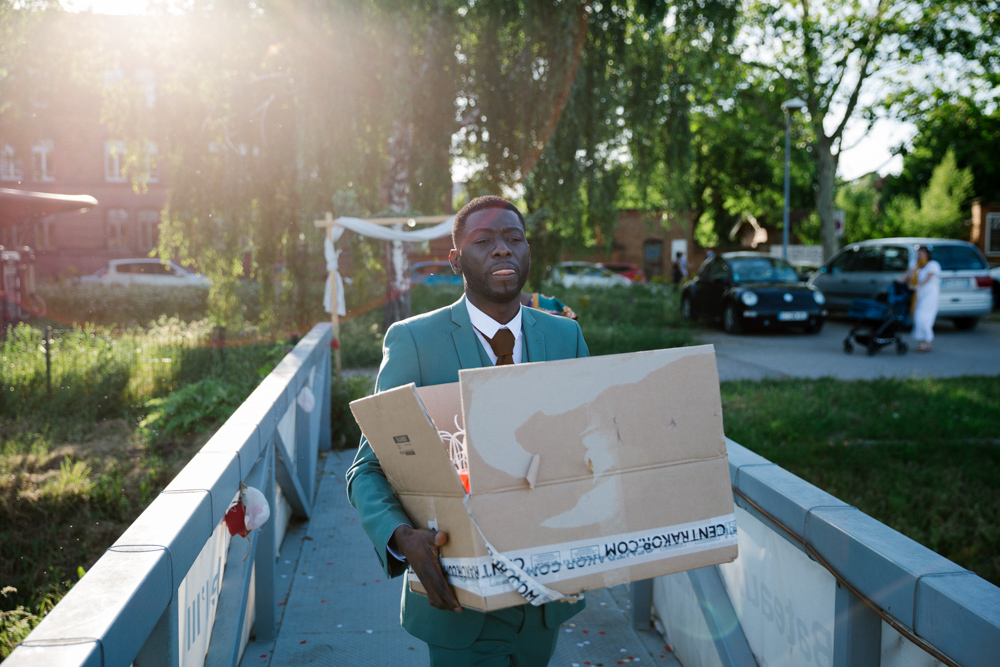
[(865, 270)]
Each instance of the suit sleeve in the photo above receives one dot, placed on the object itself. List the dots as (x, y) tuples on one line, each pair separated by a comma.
[(581, 345), (367, 487)]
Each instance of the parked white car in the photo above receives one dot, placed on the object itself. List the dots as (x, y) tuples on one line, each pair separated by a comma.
[(866, 269), (586, 274), (144, 271)]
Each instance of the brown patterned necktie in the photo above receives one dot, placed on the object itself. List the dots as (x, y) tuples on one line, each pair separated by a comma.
[(503, 346)]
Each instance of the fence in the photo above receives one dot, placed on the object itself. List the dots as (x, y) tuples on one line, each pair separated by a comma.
[(818, 582), (175, 585)]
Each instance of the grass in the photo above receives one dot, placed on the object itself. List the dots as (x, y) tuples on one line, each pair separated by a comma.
[(922, 455), (88, 443)]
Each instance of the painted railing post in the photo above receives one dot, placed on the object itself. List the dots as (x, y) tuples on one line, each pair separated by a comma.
[(324, 398), (265, 604), (857, 634)]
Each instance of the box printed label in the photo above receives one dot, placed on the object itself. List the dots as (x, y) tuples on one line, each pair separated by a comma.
[(486, 576)]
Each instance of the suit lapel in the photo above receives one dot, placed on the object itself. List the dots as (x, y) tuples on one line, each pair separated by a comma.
[(470, 352), (534, 339)]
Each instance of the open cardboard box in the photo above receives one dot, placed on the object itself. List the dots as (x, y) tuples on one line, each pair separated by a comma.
[(584, 473)]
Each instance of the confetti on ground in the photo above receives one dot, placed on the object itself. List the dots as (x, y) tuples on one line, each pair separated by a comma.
[(330, 563), (368, 632), (303, 641), (322, 601)]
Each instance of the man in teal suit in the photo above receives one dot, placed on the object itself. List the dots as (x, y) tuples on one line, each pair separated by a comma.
[(491, 253)]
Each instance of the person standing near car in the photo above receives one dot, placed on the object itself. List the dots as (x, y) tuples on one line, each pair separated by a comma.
[(680, 271), (925, 279)]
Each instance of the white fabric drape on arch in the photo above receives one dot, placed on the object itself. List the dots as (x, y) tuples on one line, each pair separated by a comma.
[(375, 231)]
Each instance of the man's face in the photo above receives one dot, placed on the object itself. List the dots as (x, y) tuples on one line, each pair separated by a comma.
[(492, 255)]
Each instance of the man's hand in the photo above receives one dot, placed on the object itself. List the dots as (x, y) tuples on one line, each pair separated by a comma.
[(421, 548)]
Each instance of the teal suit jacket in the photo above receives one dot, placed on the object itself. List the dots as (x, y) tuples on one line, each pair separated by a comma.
[(427, 350)]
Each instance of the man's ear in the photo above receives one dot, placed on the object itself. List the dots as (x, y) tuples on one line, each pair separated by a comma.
[(455, 260)]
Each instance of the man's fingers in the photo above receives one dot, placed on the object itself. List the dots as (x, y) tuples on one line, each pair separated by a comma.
[(440, 538)]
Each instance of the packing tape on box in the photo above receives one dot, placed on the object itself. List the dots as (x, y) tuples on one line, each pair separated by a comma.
[(526, 585), (527, 571)]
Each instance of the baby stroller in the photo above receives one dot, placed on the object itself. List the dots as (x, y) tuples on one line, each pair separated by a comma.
[(879, 321)]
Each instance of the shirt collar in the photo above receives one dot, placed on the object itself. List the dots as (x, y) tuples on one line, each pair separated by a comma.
[(488, 326)]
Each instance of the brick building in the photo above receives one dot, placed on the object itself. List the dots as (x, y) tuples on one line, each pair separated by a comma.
[(56, 143)]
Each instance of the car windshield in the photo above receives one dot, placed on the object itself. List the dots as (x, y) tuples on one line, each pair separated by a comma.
[(762, 270), (958, 258)]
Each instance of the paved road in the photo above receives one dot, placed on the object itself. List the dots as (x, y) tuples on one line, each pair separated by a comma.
[(757, 356)]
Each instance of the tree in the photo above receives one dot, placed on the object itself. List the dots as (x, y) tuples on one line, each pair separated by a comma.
[(844, 58), (963, 126), (624, 137), (942, 211)]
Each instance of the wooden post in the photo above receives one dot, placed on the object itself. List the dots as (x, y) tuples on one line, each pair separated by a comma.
[(334, 316), (328, 223)]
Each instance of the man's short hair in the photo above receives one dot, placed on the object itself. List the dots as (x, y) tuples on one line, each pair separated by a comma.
[(479, 204)]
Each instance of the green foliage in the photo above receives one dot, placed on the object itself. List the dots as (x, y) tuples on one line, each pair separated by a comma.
[(135, 306), (15, 623), (343, 426), (917, 455), (942, 211), (191, 408), (963, 126)]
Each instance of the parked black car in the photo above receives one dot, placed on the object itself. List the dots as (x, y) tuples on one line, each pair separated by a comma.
[(753, 290)]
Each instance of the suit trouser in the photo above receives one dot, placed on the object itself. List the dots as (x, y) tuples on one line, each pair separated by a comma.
[(512, 637)]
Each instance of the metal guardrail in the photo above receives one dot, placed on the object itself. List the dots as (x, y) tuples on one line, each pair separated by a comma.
[(887, 590), (174, 587)]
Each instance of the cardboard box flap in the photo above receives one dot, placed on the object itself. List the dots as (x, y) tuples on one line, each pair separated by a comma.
[(407, 444), (591, 419)]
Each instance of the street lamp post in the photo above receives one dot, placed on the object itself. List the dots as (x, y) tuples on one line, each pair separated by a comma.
[(788, 106)]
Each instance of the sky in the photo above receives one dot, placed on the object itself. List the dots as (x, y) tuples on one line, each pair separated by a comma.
[(867, 154)]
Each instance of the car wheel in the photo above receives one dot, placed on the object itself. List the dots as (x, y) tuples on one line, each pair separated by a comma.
[(687, 308), (966, 323), (815, 327), (731, 321)]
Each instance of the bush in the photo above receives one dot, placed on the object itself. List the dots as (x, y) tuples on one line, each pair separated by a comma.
[(344, 429)]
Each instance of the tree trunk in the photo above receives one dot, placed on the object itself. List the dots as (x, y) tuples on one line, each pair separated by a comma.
[(826, 190), (397, 192)]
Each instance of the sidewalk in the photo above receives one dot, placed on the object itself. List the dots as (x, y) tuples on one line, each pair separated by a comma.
[(337, 608)]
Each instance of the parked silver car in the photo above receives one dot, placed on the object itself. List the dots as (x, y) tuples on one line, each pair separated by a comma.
[(865, 270), (586, 274), (144, 271)]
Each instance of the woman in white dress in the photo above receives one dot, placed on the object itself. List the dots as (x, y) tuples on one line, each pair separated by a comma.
[(925, 278)]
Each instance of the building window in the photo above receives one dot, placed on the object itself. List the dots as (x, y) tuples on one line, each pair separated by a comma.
[(152, 162), (993, 233), (10, 166), (41, 161), (147, 229), (114, 162), (117, 229), (45, 233), (146, 80)]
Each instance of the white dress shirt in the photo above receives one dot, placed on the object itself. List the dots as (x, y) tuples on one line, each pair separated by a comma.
[(486, 326)]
